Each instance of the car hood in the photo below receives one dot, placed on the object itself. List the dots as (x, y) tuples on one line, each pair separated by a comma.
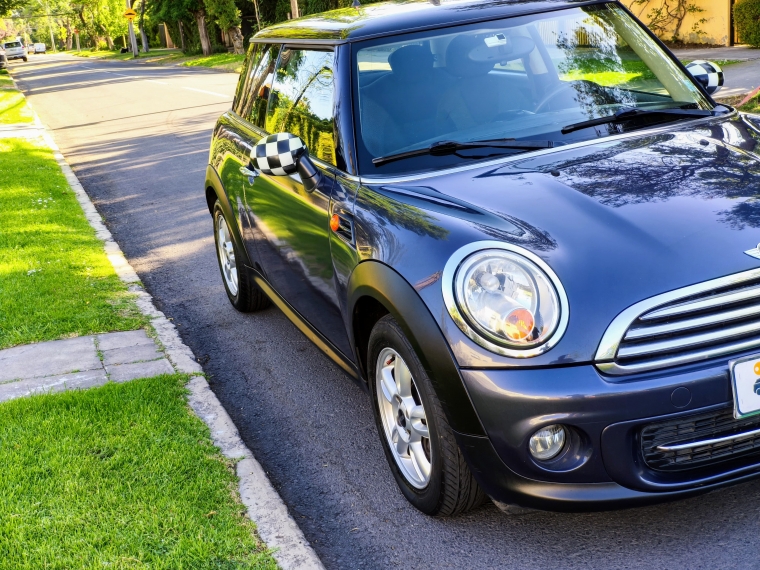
[(621, 220)]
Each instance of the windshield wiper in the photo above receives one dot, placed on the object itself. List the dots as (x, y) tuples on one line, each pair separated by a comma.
[(628, 114), (442, 148)]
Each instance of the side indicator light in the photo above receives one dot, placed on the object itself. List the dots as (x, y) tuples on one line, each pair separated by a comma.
[(335, 223)]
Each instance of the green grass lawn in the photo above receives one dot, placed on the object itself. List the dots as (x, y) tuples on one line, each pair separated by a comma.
[(117, 55), (118, 477), (229, 61), (5, 80), (752, 106), (226, 61), (55, 279), (13, 107)]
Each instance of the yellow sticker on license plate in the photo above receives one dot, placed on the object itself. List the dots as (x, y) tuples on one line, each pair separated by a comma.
[(745, 380)]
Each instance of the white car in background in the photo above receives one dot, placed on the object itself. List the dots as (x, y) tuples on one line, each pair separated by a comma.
[(40, 48), (14, 50)]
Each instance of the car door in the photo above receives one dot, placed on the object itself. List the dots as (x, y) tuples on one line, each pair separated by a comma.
[(292, 223), (237, 134)]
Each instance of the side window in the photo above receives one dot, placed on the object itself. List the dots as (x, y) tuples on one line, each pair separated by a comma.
[(242, 92), (258, 84), (302, 100)]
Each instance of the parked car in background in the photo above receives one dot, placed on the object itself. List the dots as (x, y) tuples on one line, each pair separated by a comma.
[(40, 48), (15, 50), (523, 227), (30, 48)]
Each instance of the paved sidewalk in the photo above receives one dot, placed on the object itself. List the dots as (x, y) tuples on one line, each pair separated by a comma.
[(81, 362)]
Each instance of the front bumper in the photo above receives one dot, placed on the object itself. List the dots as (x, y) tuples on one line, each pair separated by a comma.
[(604, 468)]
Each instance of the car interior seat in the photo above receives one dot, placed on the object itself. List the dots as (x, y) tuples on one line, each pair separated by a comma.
[(477, 96), (407, 98)]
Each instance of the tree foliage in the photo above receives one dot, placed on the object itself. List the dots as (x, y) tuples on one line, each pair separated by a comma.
[(747, 18), (7, 6)]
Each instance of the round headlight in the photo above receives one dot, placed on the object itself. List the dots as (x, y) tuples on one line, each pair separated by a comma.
[(507, 298)]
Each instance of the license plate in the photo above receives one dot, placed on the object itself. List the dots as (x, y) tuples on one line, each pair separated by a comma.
[(745, 379)]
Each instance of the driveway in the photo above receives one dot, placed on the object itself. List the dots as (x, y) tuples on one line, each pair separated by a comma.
[(740, 78), (138, 139)]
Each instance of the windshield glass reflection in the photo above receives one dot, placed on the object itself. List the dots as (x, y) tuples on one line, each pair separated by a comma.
[(522, 78)]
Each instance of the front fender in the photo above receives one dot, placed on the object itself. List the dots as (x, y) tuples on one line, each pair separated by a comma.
[(380, 282)]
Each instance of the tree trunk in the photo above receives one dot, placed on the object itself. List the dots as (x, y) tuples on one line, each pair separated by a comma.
[(237, 39), (143, 35), (181, 35), (256, 8), (69, 34), (109, 41), (200, 19)]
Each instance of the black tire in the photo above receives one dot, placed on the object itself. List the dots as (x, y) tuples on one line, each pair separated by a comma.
[(451, 489), (248, 297), (25, 59)]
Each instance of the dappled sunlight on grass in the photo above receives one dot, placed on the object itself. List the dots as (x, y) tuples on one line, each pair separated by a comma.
[(13, 108), (5, 80), (55, 279)]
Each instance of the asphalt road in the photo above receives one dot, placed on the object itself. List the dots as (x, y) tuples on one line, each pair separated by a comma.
[(138, 139)]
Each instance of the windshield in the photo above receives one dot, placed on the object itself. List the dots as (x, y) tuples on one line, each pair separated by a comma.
[(524, 78)]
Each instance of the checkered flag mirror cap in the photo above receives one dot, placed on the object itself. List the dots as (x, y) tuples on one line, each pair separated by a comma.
[(709, 74), (278, 154)]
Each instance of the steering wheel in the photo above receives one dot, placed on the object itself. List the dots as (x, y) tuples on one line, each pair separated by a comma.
[(553, 95)]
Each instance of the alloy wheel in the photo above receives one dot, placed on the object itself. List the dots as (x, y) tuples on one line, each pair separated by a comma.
[(226, 253), (403, 418)]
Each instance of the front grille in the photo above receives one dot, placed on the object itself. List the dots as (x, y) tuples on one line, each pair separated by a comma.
[(716, 318), (693, 435)]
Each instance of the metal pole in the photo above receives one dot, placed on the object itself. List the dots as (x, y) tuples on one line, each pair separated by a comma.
[(132, 37)]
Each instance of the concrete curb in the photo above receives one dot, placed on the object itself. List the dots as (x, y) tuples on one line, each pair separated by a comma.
[(264, 505)]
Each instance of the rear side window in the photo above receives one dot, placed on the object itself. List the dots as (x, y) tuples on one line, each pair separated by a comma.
[(302, 100), (13, 45), (254, 89)]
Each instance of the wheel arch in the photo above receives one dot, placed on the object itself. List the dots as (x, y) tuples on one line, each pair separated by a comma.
[(374, 290), (215, 191)]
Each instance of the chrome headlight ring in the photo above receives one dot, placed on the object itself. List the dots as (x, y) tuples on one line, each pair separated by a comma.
[(449, 285)]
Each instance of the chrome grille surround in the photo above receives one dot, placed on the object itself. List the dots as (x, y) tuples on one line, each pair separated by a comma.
[(683, 326)]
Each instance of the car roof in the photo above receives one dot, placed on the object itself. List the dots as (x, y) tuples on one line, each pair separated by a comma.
[(390, 18)]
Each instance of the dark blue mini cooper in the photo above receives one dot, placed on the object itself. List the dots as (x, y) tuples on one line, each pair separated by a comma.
[(524, 227)]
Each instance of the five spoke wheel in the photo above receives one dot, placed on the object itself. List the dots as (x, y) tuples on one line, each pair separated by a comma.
[(227, 255), (403, 418)]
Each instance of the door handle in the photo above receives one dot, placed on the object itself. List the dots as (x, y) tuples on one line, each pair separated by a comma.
[(251, 174)]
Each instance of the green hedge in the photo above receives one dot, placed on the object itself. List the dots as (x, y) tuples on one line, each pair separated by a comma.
[(747, 18)]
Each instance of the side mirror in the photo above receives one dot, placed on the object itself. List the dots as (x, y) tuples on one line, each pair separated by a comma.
[(283, 154), (708, 74)]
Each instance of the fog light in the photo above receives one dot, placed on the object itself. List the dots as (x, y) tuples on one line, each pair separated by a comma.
[(547, 442)]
